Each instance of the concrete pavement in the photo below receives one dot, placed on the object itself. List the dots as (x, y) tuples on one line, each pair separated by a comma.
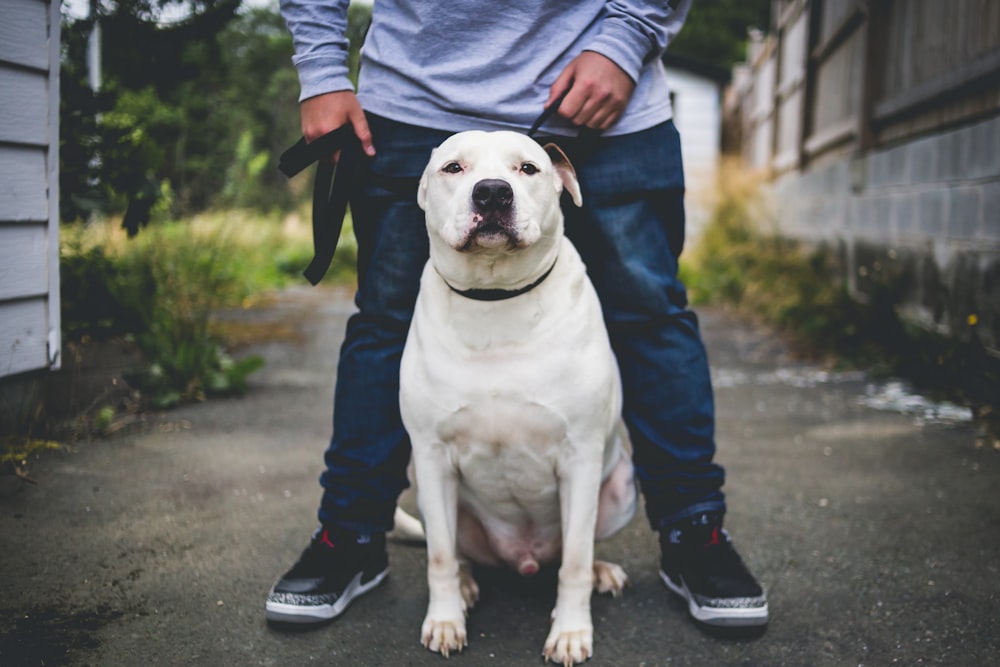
[(873, 521)]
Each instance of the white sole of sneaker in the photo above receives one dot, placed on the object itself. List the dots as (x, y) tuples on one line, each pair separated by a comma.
[(279, 612), (735, 617)]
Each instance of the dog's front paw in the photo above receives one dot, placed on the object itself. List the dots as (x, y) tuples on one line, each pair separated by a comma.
[(568, 647), (442, 636)]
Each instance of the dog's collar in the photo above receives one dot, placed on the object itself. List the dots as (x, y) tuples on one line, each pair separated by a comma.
[(500, 294)]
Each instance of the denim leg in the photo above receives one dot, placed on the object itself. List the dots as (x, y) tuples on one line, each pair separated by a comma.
[(369, 450), (630, 232)]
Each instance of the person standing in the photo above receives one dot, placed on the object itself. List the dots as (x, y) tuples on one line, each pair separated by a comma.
[(430, 69)]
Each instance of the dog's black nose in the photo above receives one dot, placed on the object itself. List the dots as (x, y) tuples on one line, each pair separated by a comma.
[(492, 194)]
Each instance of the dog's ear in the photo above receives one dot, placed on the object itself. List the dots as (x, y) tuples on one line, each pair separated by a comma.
[(422, 188), (565, 172)]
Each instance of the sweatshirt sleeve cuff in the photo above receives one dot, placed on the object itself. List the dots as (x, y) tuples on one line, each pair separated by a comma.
[(321, 75), (619, 43)]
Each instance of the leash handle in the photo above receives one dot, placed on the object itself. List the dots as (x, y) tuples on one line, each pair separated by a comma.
[(333, 183), (586, 136), (547, 112), (303, 154), (586, 140)]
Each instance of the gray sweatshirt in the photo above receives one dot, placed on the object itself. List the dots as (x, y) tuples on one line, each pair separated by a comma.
[(467, 64)]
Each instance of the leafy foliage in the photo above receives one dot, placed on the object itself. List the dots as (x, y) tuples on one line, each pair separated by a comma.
[(716, 32), (198, 108), (738, 260), (175, 297), (17, 450), (164, 288), (202, 107)]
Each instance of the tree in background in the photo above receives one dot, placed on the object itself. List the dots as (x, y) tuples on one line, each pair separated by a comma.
[(183, 112), (192, 115), (716, 32)]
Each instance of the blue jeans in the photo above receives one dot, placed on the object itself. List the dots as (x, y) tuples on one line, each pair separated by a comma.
[(629, 232)]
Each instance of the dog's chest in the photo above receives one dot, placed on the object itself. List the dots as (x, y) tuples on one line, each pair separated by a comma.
[(506, 450), (497, 425)]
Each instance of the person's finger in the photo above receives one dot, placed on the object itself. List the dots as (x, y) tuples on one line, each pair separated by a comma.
[(588, 106), (599, 94), (364, 134), (562, 83), (574, 106)]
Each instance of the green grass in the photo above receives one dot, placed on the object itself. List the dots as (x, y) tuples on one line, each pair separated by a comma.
[(739, 261), (159, 292), (163, 287)]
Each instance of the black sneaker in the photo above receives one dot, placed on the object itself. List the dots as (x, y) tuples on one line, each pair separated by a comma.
[(699, 563), (333, 570)]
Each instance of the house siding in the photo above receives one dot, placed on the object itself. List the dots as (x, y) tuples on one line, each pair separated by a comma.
[(29, 194)]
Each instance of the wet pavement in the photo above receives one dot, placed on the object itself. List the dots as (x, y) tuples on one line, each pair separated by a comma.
[(871, 514)]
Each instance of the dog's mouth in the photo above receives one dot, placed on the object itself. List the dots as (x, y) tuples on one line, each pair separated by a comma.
[(491, 230)]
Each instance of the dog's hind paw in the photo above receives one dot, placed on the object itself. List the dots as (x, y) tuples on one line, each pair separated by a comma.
[(609, 578), (443, 636), (468, 587)]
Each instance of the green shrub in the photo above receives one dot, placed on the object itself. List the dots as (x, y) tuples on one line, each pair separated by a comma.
[(164, 286), (182, 278), (740, 261), (17, 450), (91, 306)]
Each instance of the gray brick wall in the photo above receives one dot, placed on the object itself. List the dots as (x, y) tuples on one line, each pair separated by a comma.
[(933, 201)]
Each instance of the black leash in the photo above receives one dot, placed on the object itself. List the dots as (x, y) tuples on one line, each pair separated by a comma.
[(547, 112), (334, 184), (331, 189), (586, 138)]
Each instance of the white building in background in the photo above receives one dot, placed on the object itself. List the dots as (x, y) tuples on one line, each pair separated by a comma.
[(696, 95)]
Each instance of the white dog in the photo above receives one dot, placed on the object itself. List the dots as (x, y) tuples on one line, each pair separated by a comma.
[(510, 391)]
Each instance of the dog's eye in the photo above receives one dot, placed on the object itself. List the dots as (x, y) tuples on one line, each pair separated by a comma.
[(452, 168), (529, 169)]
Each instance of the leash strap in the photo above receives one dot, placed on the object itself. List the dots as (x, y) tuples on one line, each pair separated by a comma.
[(331, 189), (586, 139), (547, 112)]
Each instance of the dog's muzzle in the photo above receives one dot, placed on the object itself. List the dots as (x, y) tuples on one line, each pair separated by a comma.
[(493, 213)]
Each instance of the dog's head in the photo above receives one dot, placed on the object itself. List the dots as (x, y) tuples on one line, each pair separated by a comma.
[(494, 194)]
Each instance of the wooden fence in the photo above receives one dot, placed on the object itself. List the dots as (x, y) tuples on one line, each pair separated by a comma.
[(879, 123), (843, 77)]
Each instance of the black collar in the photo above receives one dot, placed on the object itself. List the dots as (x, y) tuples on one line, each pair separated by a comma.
[(500, 294)]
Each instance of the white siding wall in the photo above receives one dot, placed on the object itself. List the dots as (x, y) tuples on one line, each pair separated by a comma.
[(29, 185), (698, 117)]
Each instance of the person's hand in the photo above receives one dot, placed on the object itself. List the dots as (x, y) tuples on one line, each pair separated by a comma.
[(324, 113), (599, 91)]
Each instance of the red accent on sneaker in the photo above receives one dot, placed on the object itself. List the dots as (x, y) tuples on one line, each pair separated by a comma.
[(716, 538), (325, 539)]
